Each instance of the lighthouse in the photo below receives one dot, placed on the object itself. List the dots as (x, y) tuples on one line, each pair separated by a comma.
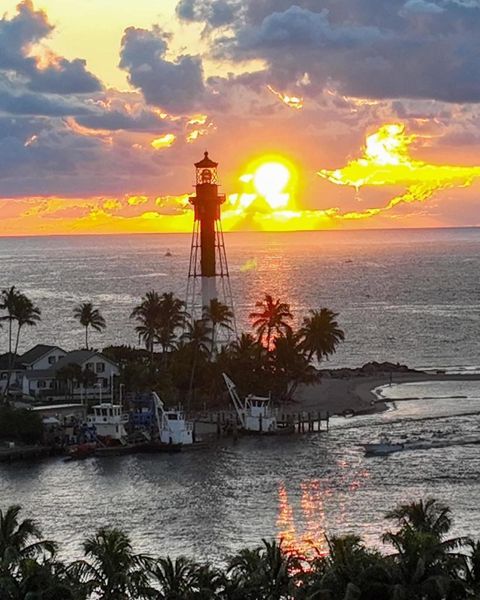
[(208, 275)]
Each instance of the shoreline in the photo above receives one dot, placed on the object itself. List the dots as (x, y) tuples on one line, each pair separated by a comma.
[(356, 393)]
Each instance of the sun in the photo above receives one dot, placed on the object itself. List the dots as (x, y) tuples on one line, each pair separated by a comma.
[(270, 180)]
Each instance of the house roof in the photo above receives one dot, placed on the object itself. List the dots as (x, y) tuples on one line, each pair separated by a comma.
[(80, 357), (36, 353)]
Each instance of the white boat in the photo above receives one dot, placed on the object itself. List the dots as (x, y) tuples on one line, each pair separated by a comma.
[(173, 428), (108, 421), (255, 413), (383, 447)]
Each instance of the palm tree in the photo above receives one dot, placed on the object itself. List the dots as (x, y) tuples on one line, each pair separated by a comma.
[(271, 319), (290, 365), (197, 336), (425, 564), (112, 571), (265, 573), (349, 571), (8, 299), (171, 317), (218, 315), (321, 334), (147, 314), (20, 540), (89, 317), (24, 313), (22, 310), (175, 578)]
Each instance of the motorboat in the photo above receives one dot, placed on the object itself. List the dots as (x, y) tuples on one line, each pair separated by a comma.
[(383, 447)]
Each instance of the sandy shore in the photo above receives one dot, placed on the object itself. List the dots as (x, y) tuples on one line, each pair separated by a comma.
[(356, 392)]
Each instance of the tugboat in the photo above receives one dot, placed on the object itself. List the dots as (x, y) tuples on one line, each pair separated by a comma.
[(173, 428), (108, 422), (255, 413)]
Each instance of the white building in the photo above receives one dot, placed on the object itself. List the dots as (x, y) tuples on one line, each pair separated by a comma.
[(40, 380)]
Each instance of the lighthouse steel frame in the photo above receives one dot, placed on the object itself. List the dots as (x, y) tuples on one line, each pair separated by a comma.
[(202, 286)]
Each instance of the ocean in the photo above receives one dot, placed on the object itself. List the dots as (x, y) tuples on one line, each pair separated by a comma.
[(411, 296), (407, 296)]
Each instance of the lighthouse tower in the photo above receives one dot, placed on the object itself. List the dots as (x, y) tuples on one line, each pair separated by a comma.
[(208, 276)]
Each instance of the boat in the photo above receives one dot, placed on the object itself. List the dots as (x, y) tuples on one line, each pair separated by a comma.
[(168, 253), (255, 414), (108, 423), (172, 426), (383, 447)]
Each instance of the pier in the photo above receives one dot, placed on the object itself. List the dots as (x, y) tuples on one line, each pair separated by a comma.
[(226, 422)]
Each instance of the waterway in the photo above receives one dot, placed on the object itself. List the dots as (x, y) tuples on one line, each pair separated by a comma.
[(212, 502)]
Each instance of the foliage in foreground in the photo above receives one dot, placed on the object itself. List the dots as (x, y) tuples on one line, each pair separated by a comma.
[(421, 563)]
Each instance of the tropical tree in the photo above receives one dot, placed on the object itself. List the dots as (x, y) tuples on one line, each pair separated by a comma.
[(290, 366), (171, 318), (69, 375), (175, 578), (21, 310), (24, 313), (265, 573), (219, 316), (197, 337), (111, 570), (147, 315), (271, 319), (349, 571), (320, 334), (89, 317), (8, 301), (425, 564), (20, 541)]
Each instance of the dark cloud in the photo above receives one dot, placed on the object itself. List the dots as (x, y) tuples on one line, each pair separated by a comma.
[(364, 48), (215, 13), (116, 120), (14, 99), (176, 86), (18, 34)]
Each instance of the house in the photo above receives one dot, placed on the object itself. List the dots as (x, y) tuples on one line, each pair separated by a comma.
[(58, 380), (41, 356)]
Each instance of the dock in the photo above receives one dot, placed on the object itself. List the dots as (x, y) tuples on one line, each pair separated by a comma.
[(14, 453), (226, 422)]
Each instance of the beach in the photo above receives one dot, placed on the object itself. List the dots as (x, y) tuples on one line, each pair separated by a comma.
[(357, 393)]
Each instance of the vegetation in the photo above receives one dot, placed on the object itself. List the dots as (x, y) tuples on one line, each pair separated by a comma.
[(184, 360), (20, 310), (89, 317), (20, 425), (426, 564)]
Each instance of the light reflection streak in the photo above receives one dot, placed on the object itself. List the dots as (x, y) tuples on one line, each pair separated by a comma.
[(304, 534)]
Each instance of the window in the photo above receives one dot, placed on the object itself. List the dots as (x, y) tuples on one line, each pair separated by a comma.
[(41, 384), (52, 360), (100, 367), (89, 366), (4, 376)]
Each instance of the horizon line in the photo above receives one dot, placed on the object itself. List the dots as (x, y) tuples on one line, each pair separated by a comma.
[(249, 231)]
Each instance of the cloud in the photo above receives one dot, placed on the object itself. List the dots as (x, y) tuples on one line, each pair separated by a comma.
[(386, 161), (177, 86), (18, 37), (364, 48), (215, 13), (422, 7)]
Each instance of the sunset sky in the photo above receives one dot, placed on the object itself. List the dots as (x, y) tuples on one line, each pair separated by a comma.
[(364, 111)]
